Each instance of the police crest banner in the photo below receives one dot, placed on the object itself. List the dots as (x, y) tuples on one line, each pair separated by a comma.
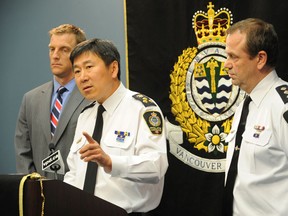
[(175, 54)]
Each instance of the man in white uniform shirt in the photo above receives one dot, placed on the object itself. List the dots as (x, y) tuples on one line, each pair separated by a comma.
[(261, 186), (131, 154)]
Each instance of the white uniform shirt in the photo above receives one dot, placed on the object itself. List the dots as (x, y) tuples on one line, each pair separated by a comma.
[(261, 187), (139, 161)]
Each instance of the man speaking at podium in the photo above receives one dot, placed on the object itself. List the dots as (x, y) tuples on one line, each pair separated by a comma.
[(119, 138)]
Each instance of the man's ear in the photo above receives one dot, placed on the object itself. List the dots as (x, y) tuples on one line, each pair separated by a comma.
[(114, 69), (261, 59)]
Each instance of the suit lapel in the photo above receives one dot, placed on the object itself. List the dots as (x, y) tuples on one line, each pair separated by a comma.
[(44, 116)]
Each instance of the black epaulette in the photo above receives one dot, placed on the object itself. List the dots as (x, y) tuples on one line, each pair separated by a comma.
[(146, 101), (88, 106), (283, 92), (285, 115)]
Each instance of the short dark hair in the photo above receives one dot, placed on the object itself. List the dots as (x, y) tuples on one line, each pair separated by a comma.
[(260, 35), (104, 49)]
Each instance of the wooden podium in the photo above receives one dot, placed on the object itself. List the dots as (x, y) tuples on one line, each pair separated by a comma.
[(60, 199)]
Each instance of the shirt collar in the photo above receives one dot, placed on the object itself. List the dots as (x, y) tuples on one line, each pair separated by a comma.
[(70, 85), (111, 103), (262, 88)]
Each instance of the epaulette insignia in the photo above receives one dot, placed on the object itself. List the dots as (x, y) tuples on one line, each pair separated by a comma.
[(88, 106), (144, 99), (285, 115), (154, 121), (283, 92)]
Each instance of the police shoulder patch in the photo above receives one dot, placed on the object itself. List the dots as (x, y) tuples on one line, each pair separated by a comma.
[(283, 92), (146, 101), (88, 106), (154, 121)]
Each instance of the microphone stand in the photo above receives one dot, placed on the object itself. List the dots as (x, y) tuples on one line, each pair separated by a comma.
[(54, 167)]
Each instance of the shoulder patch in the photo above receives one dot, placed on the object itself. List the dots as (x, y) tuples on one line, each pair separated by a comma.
[(285, 115), (283, 92), (154, 121), (146, 101), (88, 106)]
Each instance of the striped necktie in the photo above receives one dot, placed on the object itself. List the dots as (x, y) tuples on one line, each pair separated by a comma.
[(56, 110)]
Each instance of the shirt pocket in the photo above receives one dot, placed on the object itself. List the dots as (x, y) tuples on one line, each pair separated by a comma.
[(255, 137), (114, 141), (78, 144), (254, 150)]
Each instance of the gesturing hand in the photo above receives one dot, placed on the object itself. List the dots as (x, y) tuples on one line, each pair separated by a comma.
[(93, 152)]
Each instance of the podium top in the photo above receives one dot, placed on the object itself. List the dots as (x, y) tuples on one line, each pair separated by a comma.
[(60, 199)]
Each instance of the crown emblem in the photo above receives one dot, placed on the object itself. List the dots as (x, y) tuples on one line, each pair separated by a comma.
[(210, 28)]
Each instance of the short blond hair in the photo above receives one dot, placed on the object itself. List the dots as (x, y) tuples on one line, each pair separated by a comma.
[(69, 29)]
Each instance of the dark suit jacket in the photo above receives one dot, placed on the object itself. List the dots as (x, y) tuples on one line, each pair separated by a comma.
[(32, 134)]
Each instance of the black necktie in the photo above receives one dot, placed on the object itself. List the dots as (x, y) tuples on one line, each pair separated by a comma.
[(92, 167), (232, 173)]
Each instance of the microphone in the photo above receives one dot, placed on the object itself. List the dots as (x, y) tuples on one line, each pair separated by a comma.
[(55, 167), (52, 147), (54, 162)]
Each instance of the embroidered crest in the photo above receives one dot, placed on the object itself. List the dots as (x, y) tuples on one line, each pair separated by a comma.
[(202, 95), (154, 121), (121, 135), (283, 92), (146, 101)]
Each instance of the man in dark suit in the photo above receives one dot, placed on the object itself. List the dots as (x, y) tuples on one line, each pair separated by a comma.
[(34, 131)]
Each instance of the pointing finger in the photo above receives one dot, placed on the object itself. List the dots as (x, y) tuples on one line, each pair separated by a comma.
[(88, 137)]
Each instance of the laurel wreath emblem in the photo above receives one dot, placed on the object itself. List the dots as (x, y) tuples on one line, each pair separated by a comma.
[(193, 126)]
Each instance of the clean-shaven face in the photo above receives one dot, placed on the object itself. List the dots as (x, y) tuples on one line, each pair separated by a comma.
[(242, 68), (94, 79), (60, 47)]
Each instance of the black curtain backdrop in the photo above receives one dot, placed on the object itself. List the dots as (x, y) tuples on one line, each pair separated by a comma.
[(157, 33)]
